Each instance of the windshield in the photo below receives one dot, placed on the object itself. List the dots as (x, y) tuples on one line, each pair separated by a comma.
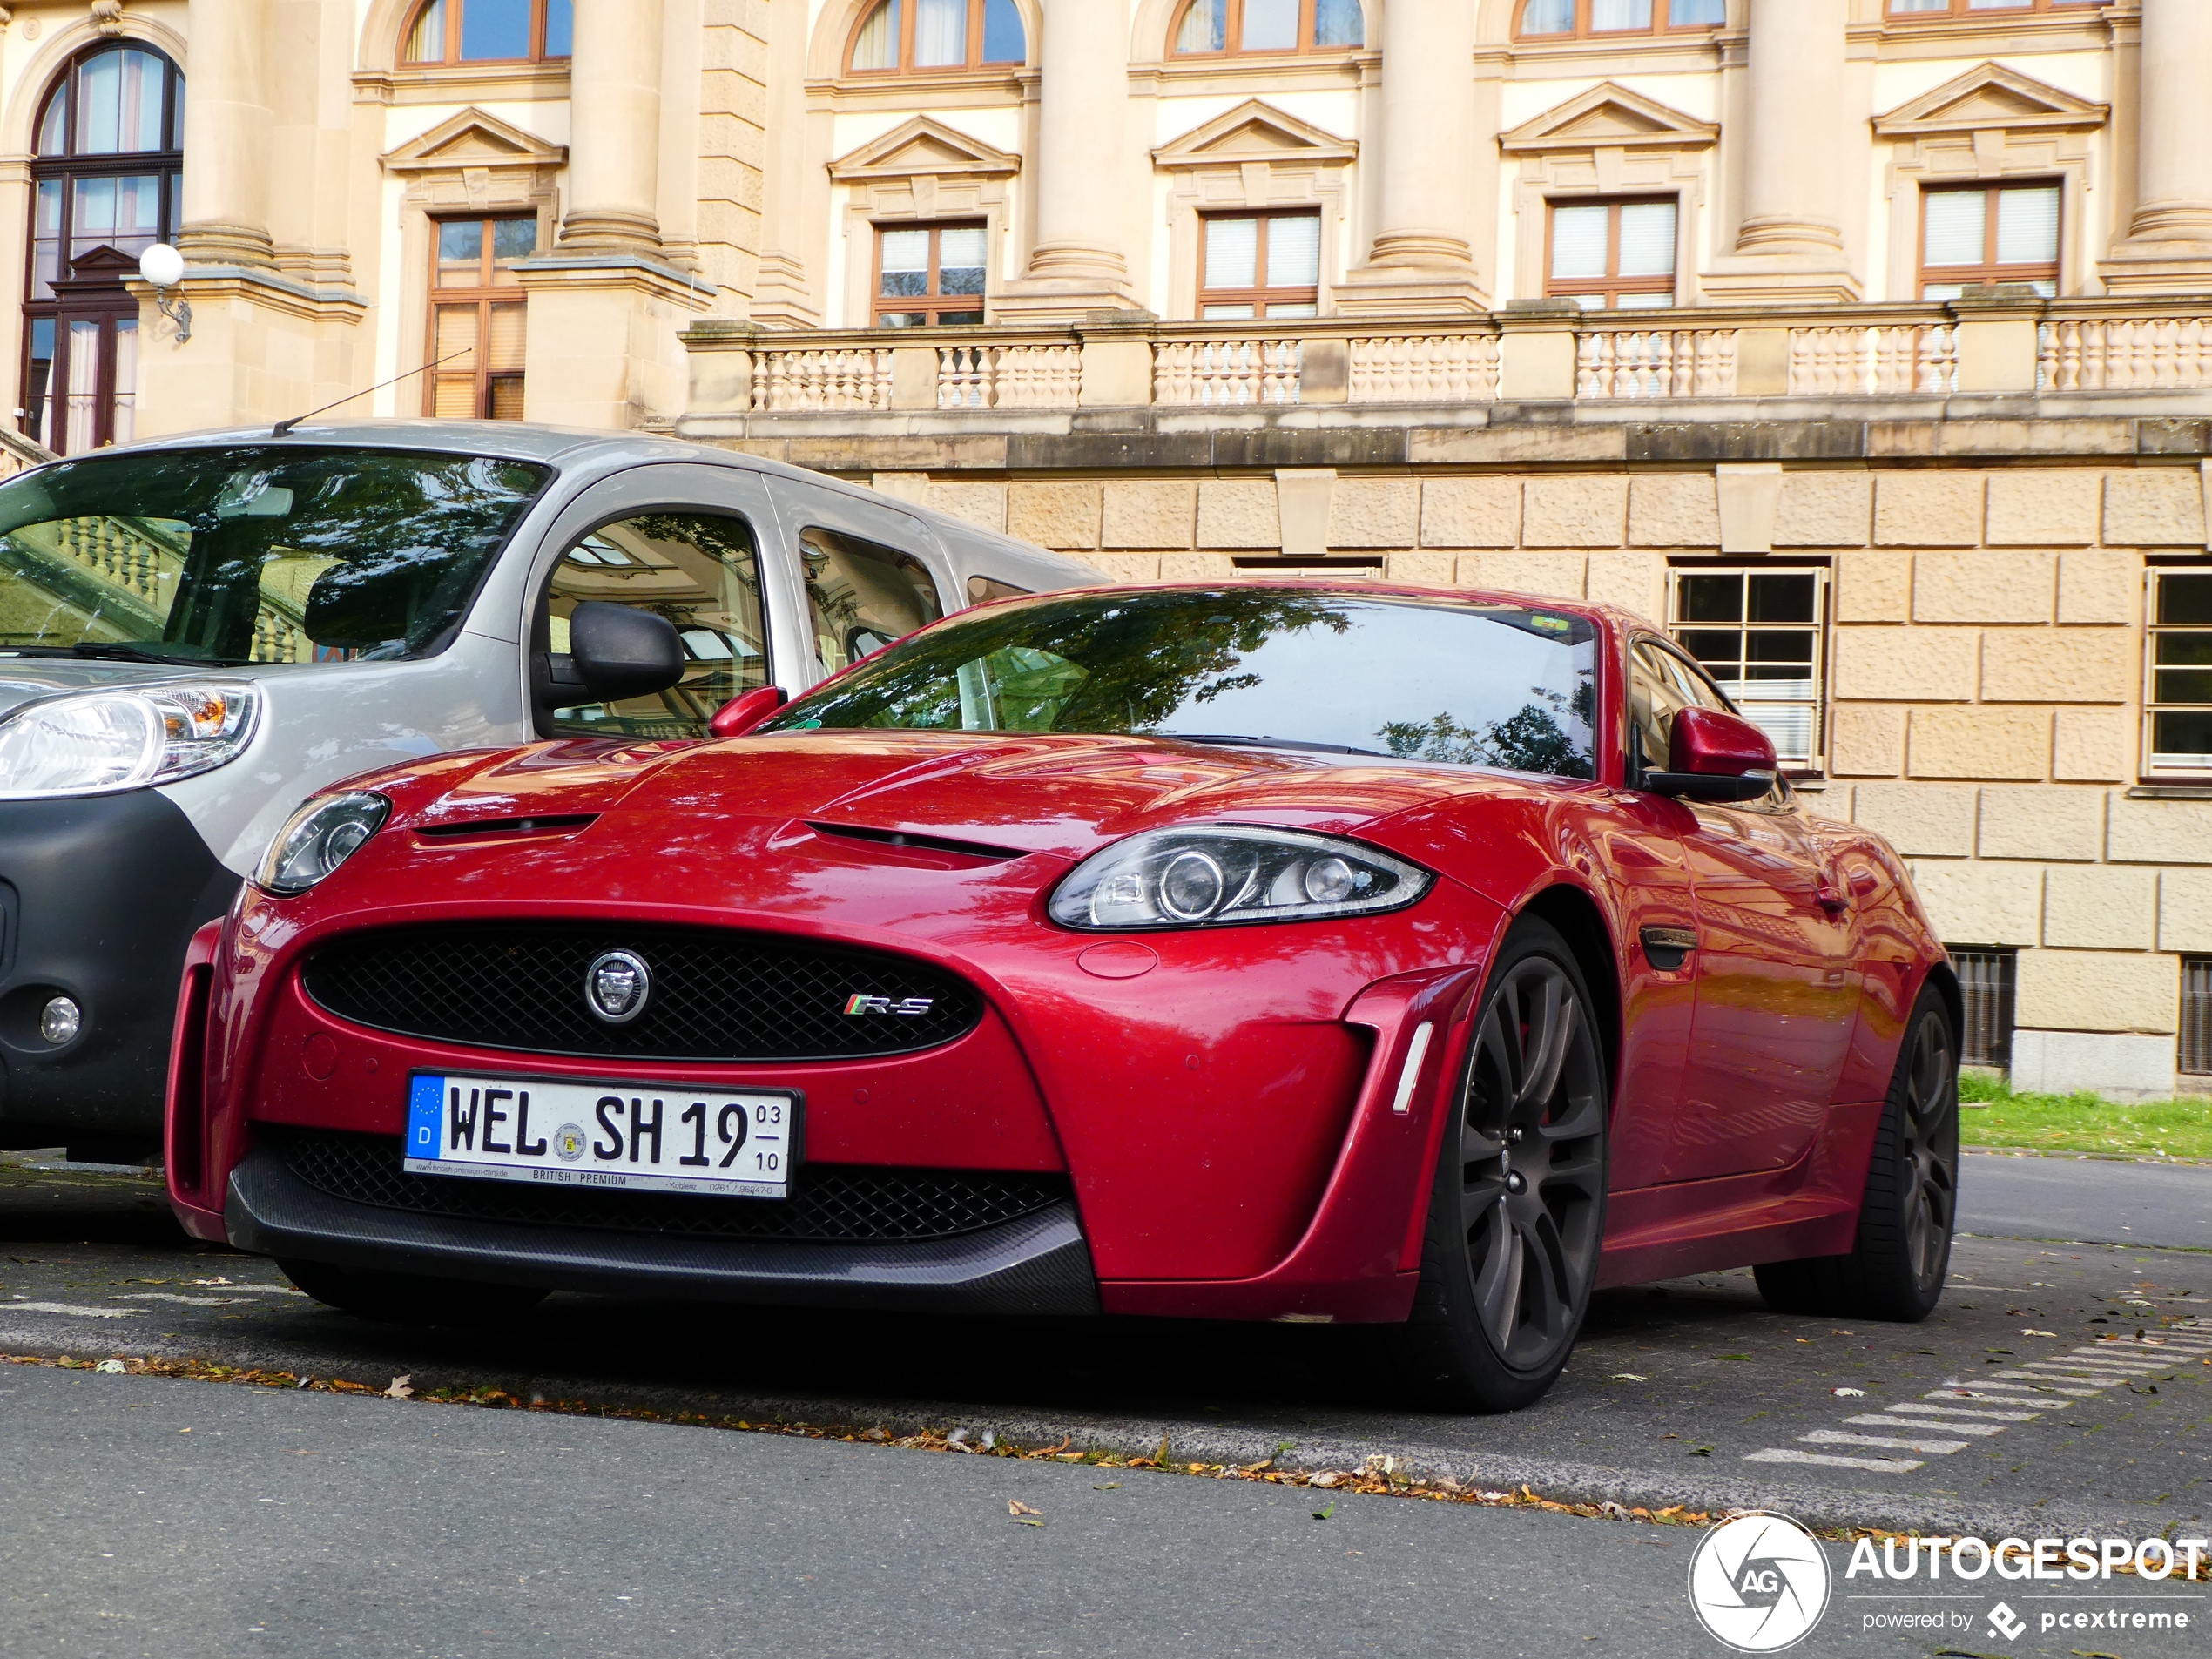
[(1466, 683), (256, 555)]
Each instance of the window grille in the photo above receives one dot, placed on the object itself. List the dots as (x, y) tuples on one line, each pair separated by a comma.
[(1986, 978), (2196, 1016)]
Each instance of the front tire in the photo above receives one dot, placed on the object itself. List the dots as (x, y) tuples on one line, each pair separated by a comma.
[(1902, 1254), (1517, 1215), (407, 1298)]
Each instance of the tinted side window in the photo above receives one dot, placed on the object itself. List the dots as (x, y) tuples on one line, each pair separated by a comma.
[(702, 572), (861, 597)]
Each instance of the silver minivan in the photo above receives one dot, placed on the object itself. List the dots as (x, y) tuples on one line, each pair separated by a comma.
[(197, 634)]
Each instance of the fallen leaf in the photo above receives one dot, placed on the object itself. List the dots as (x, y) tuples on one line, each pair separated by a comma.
[(1325, 1481), (1849, 1393), (2038, 1333), (1066, 1441), (1323, 1514), (1254, 1468), (401, 1388), (112, 1367), (1629, 1376), (1016, 1507), (1701, 1451), (1027, 1521), (1108, 1486)]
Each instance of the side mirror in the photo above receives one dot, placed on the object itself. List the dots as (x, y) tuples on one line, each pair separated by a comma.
[(1712, 756), (616, 653), (740, 714)]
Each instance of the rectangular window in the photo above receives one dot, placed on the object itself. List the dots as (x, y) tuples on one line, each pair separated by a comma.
[(2196, 1016), (1986, 979), (479, 319), (1261, 264), (929, 275), (1760, 634), (1612, 255), (1988, 233), (1975, 8), (2177, 701)]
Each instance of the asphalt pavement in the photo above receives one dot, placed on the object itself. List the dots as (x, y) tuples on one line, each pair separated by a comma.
[(2061, 1388)]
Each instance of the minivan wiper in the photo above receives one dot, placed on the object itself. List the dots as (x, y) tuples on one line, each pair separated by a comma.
[(1234, 741), (110, 651)]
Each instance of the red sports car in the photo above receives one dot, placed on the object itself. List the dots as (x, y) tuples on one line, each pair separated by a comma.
[(1289, 951)]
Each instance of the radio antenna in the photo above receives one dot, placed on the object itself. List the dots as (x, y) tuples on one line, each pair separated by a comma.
[(284, 427)]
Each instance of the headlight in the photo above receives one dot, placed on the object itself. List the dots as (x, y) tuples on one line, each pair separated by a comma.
[(96, 743), (1218, 874), (321, 836)]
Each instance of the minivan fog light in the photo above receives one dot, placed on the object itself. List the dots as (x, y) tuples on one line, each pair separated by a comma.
[(60, 1020)]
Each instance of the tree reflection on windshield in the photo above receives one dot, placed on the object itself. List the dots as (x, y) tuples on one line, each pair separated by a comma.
[(1463, 684)]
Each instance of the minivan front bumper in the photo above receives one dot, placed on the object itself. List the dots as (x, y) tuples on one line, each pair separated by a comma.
[(99, 896)]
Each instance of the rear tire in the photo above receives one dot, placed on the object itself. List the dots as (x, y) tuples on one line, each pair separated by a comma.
[(408, 1298), (1516, 1217), (1897, 1264)]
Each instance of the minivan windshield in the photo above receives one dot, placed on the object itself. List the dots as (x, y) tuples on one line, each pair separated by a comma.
[(1467, 684), (268, 554)]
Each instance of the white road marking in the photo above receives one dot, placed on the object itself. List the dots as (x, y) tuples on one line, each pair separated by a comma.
[(1880, 1465), (73, 1310), (1876, 1420), (189, 1301), (1998, 1379), (1917, 1409), (1838, 1437)]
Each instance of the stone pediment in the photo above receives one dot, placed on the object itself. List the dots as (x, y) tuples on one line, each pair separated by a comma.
[(1991, 96), (923, 145), (475, 138), (1255, 131), (1608, 116)]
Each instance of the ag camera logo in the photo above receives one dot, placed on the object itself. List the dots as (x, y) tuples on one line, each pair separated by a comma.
[(1759, 1582)]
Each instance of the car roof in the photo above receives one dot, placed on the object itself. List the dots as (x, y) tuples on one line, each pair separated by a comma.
[(573, 447), (1620, 621)]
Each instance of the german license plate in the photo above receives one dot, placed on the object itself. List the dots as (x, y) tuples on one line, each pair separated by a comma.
[(634, 1137)]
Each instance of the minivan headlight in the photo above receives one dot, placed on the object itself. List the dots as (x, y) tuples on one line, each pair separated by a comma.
[(320, 836), (99, 743), (1223, 875)]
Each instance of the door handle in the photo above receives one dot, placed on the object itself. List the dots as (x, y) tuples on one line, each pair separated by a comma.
[(1667, 948)]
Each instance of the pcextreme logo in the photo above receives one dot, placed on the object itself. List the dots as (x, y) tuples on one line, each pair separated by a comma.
[(1759, 1582)]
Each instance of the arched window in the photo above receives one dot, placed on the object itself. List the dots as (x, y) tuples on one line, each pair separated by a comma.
[(104, 188), (1542, 18), (490, 32), (1219, 27), (909, 34)]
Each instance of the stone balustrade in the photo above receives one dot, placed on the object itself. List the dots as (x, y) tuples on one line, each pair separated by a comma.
[(1999, 345)]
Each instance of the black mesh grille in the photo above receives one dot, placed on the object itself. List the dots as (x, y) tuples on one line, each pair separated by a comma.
[(716, 995), (828, 1202)]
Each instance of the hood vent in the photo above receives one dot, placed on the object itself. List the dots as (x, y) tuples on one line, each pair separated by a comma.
[(490, 828), (920, 843)]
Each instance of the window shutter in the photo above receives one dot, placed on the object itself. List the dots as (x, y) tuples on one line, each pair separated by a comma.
[(1578, 241), (1233, 252), (2027, 226), (1955, 222), (1294, 251), (1648, 238)]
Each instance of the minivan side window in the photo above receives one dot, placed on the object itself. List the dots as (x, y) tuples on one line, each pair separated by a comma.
[(861, 597), (702, 571)]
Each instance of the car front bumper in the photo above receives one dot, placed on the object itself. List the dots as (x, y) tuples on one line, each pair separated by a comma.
[(1037, 1264), (99, 896)]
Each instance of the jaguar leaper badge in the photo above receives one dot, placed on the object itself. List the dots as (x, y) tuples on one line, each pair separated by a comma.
[(616, 987)]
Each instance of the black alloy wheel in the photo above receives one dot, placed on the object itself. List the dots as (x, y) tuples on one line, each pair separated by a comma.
[(1517, 1215), (1901, 1256)]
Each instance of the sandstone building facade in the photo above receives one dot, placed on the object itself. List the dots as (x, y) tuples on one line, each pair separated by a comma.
[(1866, 343)]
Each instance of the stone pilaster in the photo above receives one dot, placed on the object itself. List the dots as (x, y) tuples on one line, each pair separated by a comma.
[(1789, 243), (2168, 247), (1077, 264), (1422, 262), (785, 297)]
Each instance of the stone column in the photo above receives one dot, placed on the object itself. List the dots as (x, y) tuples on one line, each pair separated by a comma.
[(1790, 242), (2169, 237), (783, 297), (1422, 258), (614, 113), (1077, 263), (228, 126)]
